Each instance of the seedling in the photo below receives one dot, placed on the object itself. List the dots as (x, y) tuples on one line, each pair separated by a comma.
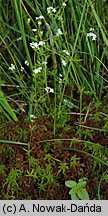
[(96, 117), (77, 190), (105, 127), (10, 150), (42, 176), (2, 168), (74, 161), (22, 134), (63, 167), (11, 181)]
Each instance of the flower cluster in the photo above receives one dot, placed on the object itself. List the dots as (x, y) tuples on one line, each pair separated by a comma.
[(32, 117), (44, 63), (51, 10), (91, 34), (34, 30), (22, 69), (41, 43), (26, 62), (63, 62), (12, 67), (91, 29), (37, 45), (37, 70), (59, 32), (39, 18), (19, 39), (49, 90), (60, 78), (64, 4), (66, 52)]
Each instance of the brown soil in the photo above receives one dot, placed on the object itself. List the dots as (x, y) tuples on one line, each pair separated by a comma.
[(40, 130)]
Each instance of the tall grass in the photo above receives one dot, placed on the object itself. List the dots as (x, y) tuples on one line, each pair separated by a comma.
[(80, 68)]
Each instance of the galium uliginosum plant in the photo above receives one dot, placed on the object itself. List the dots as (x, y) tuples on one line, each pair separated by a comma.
[(48, 46)]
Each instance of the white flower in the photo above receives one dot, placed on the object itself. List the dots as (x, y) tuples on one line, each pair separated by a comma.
[(54, 10), (18, 39), (34, 30), (59, 32), (12, 67), (91, 34), (60, 75), (51, 9), (34, 45), (39, 18), (32, 117), (66, 52), (41, 43), (37, 70), (63, 62), (44, 63), (26, 62), (22, 69), (28, 20), (60, 80), (64, 4), (39, 22), (48, 89), (91, 29)]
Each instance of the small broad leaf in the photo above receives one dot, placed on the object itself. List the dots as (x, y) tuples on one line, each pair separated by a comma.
[(73, 191), (83, 194), (81, 184), (70, 184), (83, 179), (74, 197)]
